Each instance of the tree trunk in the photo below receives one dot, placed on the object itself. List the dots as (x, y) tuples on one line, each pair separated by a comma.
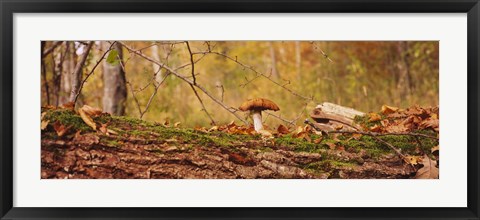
[(298, 58), (63, 84), (404, 84), (156, 68), (44, 73), (273, 58), (115, 91), (76, 79)]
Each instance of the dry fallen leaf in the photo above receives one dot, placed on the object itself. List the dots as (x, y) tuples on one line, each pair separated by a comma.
[(167, 122), (68, 105), (374, 117), (429, 169), (89, 121), (214, 128), (103, 128), (60, 129), (376, 128), (331, 145), (282, 129), (91, 111), (44, 124), (357, 136), (414, 160), (177, 124), (43, 115), (388, 109)]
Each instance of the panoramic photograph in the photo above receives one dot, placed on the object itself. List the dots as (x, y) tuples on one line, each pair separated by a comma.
[(176, 109)]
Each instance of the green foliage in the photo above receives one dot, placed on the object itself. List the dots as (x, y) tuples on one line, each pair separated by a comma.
[(112, 57)]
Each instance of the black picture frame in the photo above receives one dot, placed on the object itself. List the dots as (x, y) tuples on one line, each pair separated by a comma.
[(9, 7)]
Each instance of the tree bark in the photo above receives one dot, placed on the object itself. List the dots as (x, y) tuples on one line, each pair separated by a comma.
[(298, 58), (273, 60), (63, 85), (115, 90), (76, 79), (404, 84)]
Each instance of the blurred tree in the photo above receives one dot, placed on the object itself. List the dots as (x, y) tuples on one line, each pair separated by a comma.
[(114, 90)]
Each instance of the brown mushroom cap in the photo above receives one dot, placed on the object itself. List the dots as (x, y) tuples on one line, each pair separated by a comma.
[(259, 104)]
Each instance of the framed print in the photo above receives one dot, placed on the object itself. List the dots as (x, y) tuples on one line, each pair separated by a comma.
[(224, 110)]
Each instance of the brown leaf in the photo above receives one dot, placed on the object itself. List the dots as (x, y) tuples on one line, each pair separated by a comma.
[(60, 129), (357, 136), (103, 128), (318, 140), (167, 122), (68, 105), (177, 124), (110, 131), (388, 109), (89, 121), (414, 160), (331, 145), (91, 111), (282, 129), (43, 115), (44, 124), (376, 128), (374, 117), (429, 169), (201, 129), (429, 123), (214, 128)]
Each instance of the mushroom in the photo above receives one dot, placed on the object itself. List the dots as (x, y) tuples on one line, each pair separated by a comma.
[(256, 106)]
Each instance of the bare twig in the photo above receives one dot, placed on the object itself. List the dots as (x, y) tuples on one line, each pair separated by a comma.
[(376, 137), (192, 63), (321, 51), (387, 134), (256, 72), (203, 106), (178, 75), (50, 49), (150, 99), (91, 71)]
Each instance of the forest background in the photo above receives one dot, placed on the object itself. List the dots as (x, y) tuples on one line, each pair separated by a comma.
[(297, 75)]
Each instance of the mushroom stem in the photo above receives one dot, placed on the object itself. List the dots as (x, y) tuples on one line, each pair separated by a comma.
[(257, 120)]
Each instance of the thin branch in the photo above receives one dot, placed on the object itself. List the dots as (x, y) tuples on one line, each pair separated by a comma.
[(91, 71), (376, 137), (203, 106), (387, 134), (172, 71), (256, 72), (156, 85), (50, 49), (321, 51), (192, 63)]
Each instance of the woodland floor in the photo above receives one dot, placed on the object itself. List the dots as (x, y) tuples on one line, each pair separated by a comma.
[(140, 149)]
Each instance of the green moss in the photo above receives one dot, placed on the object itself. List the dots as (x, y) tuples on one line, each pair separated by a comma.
[(299, 144), (68, 118), (328, 164)]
